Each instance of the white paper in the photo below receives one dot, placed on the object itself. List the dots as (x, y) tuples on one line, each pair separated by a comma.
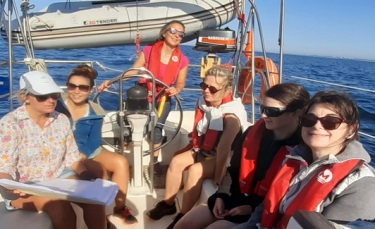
[(97, 192)]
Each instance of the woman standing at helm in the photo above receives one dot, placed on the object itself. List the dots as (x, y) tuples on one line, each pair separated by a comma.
[(168, 64)]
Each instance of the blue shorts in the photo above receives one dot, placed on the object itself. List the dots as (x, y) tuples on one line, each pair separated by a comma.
[(66, 173), (95, 153)]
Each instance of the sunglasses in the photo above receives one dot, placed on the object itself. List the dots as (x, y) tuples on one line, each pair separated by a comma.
[(174, 31), (328, 122), (272, 111), (83, 88), (42, 98), (212, 89)]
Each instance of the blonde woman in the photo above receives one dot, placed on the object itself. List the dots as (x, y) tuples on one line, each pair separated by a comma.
[(219, 119)]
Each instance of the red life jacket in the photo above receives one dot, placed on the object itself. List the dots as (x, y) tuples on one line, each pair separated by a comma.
[(250, 152), (309, 197), (208, 141), (153, 65)]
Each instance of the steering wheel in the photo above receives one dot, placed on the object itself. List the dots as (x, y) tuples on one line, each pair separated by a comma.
[(175, 127)]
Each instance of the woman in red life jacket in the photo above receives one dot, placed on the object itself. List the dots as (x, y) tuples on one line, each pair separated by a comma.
[(255, 160), (219, 119), (329, 173), (166, 61)]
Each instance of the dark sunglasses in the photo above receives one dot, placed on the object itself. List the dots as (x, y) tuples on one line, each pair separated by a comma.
[(42, 98), (212, 89), (272, 111), (174, 31), (328, 122), (83, 88)]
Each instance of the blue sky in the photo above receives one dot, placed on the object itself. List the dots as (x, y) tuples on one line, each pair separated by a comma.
[(339, 28)]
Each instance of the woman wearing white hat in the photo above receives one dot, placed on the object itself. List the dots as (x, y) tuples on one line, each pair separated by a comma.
[(37, 145)]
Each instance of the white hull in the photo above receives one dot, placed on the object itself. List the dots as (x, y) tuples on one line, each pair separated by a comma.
[(94, 24)]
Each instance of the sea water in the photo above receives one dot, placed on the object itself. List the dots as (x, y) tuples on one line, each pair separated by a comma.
[(305, 70)]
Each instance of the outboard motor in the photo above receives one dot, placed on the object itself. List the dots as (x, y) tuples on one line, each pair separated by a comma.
[(214, 41)]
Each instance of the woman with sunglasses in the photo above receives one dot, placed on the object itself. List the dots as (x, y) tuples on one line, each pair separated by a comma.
[(86, 118), (167, 63), (219, 118), (37, 144), (328, 173), (260, 152)]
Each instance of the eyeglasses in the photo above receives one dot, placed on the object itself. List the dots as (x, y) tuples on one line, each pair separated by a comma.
[(174, 31), (272, 111), (42, 98), (328, 122), (212, 89), (83, 88)]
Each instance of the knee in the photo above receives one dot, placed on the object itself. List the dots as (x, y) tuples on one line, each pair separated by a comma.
[(195, 172), (57, 206), (97, 209), (122, 163), (184, 222), (176, 165), (158, 135), (190, 221)]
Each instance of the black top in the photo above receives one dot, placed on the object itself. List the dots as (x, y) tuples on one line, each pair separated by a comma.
[(268, 149)]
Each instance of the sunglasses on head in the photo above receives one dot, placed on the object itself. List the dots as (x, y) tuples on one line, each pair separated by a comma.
[(42, 98), (272, 111), (212, 89), (174, 31), (83, 88), (328, 122)]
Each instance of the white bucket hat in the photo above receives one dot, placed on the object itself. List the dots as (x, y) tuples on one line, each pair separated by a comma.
[(39, 83)]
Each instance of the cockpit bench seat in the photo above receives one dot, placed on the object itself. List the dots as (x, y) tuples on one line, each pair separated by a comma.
[(23, 219)]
